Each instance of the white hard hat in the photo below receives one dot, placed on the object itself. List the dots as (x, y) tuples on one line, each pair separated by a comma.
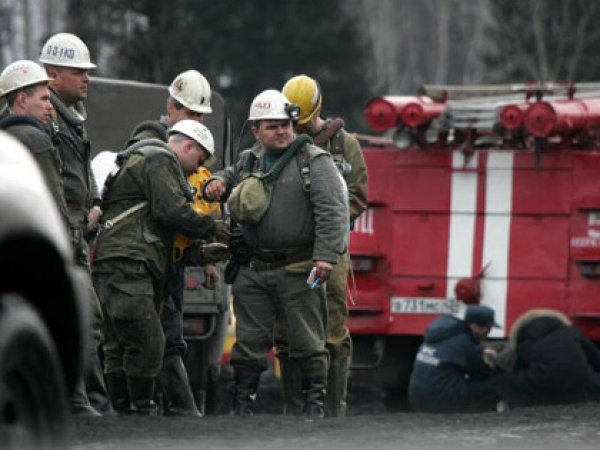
[(196, 131), (20, 74), (192, 90), (66, 49), (271, 104)]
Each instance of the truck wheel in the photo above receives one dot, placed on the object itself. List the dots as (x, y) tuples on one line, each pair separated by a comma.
[(33, 398)]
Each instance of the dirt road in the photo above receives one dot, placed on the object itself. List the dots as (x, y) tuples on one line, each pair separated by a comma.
[(548, 428)]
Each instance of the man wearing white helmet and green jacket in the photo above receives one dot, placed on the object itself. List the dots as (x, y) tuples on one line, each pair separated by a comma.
[(292, 205), (189, 98), (67, 61), (24, 85), (146, 201)]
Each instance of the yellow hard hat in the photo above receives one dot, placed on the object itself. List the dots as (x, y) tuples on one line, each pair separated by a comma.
[(305, 92)]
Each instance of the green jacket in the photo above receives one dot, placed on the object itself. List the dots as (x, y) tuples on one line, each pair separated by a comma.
[(151, 174), (295, 218), (74, 148), (356, 179), (149, 129), (32, 134)]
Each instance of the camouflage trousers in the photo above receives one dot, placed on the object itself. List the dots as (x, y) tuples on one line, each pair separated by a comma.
[(261, 297), (130, 299)]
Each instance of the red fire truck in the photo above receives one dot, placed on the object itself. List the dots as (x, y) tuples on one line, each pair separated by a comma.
[(484, 195)]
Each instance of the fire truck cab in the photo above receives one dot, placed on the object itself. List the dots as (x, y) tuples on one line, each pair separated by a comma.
[(476, 195)]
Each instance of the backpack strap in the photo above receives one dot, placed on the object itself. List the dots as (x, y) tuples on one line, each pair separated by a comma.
[(332, 131), (303, 161)]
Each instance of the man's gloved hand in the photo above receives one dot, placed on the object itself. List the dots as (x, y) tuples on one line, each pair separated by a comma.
[(211, 277), (222, 231), (214, 252)]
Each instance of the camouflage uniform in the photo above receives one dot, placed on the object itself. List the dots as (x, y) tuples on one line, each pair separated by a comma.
[(347, 155), (273, 284), (132, 260), (81, 194)]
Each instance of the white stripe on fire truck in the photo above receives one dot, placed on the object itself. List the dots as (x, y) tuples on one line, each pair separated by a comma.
[(498, 208), (463, 207)]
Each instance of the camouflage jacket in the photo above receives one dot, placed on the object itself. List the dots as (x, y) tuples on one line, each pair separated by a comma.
[(151, 173)]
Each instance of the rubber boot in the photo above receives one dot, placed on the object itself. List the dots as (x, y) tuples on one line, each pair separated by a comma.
[(80, 404), (211, 394), (337, 387), (245, 385), (96, 387), (117, 390), (176, 387), (141, 393), (314, 381), (291, 386)]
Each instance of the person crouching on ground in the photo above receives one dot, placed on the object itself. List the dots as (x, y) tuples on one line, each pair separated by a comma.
[(449, 373)]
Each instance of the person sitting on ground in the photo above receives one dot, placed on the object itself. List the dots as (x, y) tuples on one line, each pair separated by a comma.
[(449, 373), (553, 362)]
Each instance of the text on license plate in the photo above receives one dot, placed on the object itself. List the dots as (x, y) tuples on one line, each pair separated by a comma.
[(416, 305)]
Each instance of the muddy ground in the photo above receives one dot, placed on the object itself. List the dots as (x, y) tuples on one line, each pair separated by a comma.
[(368, 427)]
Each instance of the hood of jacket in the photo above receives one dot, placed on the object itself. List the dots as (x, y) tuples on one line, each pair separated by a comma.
[(443, 328)]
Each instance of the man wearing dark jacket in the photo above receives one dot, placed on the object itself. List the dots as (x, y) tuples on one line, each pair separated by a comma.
[(450, 374), (555, 362)]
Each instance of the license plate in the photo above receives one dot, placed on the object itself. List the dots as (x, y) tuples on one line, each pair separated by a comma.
[(416, 305)]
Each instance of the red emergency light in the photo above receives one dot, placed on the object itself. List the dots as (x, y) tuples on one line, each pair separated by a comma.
[(512, 116), (562, 116)]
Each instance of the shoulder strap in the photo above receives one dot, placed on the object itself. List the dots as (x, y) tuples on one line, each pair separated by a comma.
[(303, 161), (332, 131)]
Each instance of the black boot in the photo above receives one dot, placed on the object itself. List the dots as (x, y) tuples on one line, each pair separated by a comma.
[(245, 385), (176, 387), (314, 380), (80, 404), (141, 393), (337, 387), (211, 395), (117, 390), (291, 385), (96, 387)]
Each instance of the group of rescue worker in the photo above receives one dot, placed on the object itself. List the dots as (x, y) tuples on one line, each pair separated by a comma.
[(547, 360), (292, 199)]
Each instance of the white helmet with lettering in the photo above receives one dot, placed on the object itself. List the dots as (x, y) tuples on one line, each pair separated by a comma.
[(20, 74), (196, 131), (272, 104), (192, 90), (67, 50)]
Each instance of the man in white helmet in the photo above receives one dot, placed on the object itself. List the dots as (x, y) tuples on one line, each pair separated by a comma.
[(24, 85), (67, 61), (189, 98), (295, 225), (146, 202)]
